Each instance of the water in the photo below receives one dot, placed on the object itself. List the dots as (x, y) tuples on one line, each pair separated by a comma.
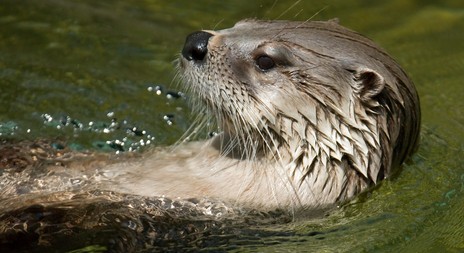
[(87, 72)]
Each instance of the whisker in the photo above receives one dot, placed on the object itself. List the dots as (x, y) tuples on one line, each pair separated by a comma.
[(217, 24), (314, 15), (288, 9)]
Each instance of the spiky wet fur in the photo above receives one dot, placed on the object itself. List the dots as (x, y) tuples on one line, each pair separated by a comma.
[(334, 124)]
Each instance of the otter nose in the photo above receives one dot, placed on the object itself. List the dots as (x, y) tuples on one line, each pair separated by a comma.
[(196, 46)]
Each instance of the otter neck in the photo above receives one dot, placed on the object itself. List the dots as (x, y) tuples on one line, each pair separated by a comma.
[(243, 146)]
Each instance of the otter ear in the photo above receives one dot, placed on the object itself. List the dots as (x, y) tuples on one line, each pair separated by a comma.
[(369, 83)]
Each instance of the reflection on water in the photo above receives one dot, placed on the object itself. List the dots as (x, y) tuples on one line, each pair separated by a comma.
[(86, 72)]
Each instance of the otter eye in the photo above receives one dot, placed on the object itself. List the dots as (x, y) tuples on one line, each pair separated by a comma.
[(265, 62)]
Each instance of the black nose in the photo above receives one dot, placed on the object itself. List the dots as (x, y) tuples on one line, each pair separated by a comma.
[(196, 46)]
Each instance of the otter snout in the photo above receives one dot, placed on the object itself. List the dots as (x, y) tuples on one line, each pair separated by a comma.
[(196, 46)]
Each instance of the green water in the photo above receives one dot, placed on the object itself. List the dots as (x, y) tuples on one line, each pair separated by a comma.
[(69, 69)]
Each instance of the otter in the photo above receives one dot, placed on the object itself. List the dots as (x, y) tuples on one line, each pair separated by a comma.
[(311, 113)]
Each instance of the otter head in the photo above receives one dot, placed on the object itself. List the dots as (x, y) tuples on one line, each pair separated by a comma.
[(320, 99)]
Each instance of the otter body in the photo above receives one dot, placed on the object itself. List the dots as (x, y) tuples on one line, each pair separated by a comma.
[(312, 114)]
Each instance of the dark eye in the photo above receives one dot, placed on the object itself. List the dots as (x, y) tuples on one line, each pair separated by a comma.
[(265, 62)]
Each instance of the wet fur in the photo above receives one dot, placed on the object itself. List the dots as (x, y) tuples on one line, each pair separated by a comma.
[(336, 113)]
